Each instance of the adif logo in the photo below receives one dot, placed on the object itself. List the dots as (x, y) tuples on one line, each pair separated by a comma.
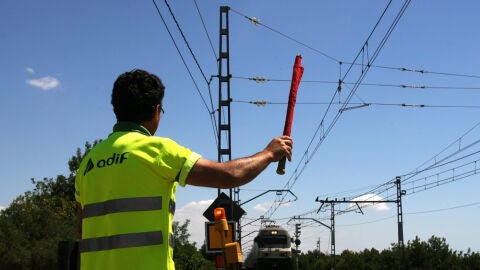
[(102, 163)]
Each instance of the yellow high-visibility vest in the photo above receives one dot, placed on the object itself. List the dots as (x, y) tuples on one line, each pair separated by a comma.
[(126, 187)]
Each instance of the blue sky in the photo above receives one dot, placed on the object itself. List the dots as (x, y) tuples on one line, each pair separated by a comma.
[(59, 60)]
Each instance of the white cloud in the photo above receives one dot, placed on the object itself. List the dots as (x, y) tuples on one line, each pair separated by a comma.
[(262, 207), (194, 212), (371, 197), (45, 83), (2, 208), (265, 206), (30, 70)]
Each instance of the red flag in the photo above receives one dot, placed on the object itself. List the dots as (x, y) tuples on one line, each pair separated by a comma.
[(292, 99)]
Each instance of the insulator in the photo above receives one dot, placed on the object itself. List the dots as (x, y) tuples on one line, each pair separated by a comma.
[(259, 79), (254, 20), (260, 102)]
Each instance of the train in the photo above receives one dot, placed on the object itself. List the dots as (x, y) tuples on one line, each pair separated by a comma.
[(271, 250)]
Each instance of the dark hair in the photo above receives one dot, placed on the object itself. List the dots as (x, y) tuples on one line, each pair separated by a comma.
[(135, 95)]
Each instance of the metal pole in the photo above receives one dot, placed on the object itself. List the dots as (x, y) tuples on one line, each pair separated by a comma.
[(332, 247), (400, 223)]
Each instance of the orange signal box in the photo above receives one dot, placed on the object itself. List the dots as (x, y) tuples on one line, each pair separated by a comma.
[(214, 241)]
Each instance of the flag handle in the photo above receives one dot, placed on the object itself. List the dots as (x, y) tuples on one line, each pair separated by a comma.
[(281, 166)]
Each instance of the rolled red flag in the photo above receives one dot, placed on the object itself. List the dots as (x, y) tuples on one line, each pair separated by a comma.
[(292, 99)]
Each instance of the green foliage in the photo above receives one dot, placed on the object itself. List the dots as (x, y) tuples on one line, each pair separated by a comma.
[(185, 254), (35, 222), (313, 260), (432, 254)]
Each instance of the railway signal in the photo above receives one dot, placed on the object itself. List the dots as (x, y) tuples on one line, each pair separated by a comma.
[(231, 255), (297, 230)]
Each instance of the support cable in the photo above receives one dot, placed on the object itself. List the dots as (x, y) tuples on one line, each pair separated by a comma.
[(257, 22), (307, 157), (340, 82), (186, 42), (212, 117), (262, 103), (206, 32)]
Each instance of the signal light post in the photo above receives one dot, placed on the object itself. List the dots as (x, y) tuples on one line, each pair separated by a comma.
[(231, 255), (221, 226), (297, 242)]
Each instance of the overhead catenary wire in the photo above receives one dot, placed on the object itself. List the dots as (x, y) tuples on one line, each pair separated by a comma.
[(455, 142), (210, 112), (257, 22), (193, 54), (205, 29), (438, 162), (412, 213), (412, 86), (258, 79), (424, 71), (264, 103), (402, 69), (420, 184), (186, 42), (307, 155), (215, 58)]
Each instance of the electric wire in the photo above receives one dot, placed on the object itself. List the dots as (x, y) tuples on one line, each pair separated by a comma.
[(455, 142), (403, 69), (216, 57), (423, 71), (412, 213), (406, 86), (262, 80), (193, 55), (212, 117), (186, 42), (307, 157), (257, 22), (369, 65), (385, 187), (363, 104), (205, 29)]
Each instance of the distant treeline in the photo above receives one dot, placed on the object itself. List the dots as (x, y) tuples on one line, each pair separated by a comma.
[(432, 254)]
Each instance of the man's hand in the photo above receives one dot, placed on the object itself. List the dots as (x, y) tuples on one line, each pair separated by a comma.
[(280, 147)]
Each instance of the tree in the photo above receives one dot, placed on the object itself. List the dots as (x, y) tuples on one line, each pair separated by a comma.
[(185, 254), (32, 226), (35, 222), (432, 254)]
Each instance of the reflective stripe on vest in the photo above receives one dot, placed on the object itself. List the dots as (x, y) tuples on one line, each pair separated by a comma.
[(125, 240), (121, 241), (126, 205), (122, 205)]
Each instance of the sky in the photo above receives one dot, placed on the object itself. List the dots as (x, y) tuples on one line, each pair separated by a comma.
[(408, 105)]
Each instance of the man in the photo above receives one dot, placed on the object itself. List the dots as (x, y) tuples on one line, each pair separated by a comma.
[(126, 184)]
